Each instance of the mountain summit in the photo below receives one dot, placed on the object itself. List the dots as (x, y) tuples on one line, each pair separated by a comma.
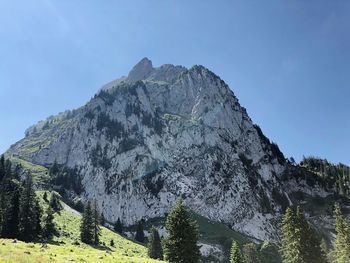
[(141, 70), (159, 134)]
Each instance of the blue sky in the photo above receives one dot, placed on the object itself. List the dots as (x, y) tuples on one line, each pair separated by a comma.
[(288, 62)]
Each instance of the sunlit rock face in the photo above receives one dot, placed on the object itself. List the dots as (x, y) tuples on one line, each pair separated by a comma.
[(162, 133)]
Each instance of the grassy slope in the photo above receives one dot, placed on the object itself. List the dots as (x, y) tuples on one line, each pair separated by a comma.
[(68, 248), (39, 173)]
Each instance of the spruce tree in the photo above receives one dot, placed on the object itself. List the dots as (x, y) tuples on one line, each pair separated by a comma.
[(140, 235), (102, 219), (49, 229), (251, 253), (96, 224), (2, 167), (155, 249), (10, 196), (180, 245), (291, 243), (236, 254), (54, 169), (37, 220), (86, 227), (45, 197), (310, 245), (55, 203), (29, 212), (8, 169), (342, 241), (118, 227)]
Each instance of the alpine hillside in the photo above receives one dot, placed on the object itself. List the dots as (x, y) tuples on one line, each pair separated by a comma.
[(162, 133)]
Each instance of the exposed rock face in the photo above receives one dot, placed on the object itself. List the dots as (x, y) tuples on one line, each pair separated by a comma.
[(163, 133)]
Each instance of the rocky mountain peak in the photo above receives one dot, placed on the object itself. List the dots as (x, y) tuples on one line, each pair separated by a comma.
[(161, 133), (141, 70)]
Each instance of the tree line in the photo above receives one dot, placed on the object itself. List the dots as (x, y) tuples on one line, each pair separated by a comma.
[(21, 215), (300, 242), (180, 245)]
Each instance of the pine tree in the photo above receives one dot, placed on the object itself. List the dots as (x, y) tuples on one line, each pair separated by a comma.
[(342, 241), (96, 224), (45, 197), (8, 169), (55, 203), (155, 249), (10, 195), (235, 255), (102, 219), (291, 243), (16, 172), (324, 247), (49, 226), (29, 212), (87, 227), (54, 169), (251, 254), (180, 245), (2, 167), (118, 227), (37, 219), (310, 246), (140, 235), (112, 243)]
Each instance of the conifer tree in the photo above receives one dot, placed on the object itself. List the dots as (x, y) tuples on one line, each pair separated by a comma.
[(342, 241), (37, 220), (45, 197), (236, 254), (2, 167), (140, 235), (96, 224), (300, 244), (310, 245), (54, 169), (291, 245), (16, 172), (250, 253), (102, 219), (55, 203), (8, 168), (10, 195), (155, 249), (324, 247), (180, 245), (87, 227), (118, 227), (49, 229), (29, 212)]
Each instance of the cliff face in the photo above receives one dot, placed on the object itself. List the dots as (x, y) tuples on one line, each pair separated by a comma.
[(163, 133)]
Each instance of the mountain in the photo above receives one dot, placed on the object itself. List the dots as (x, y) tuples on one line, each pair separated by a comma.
[(167, 132)]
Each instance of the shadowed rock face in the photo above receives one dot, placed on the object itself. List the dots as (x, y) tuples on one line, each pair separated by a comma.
[(163, 133)]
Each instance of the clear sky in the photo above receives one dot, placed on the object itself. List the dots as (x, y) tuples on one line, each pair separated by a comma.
[(288, 62)]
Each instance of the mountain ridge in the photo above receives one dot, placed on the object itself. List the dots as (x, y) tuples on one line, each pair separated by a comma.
[(138, 145)]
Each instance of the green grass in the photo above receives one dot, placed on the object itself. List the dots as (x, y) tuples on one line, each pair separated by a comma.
[(39, 173), (216, 233), (68, 248)]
